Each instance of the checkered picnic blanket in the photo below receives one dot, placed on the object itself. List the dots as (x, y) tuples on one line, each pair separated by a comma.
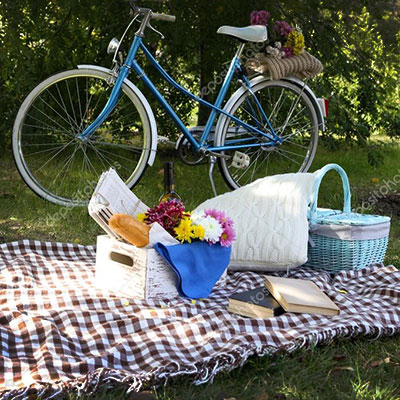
[(58, 333)]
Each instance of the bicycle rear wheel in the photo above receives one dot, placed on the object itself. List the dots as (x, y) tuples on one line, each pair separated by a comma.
[(53, 161), (293, 118)]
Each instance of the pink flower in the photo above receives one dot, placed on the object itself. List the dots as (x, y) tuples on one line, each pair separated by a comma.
[(228, 232), (227, 222), (287, 52), (228, 236), (218, 215)]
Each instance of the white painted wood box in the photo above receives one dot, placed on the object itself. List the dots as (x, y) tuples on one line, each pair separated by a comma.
[(133, 272)]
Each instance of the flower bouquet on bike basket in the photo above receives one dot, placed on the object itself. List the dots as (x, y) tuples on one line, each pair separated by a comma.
[(283, 54)]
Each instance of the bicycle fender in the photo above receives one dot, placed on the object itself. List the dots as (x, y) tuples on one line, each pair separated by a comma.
[(146, 105)]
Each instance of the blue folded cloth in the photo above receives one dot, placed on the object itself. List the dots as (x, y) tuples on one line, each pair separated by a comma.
[(197, 265)]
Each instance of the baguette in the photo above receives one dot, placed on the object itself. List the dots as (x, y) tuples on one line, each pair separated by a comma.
[(131, 229)]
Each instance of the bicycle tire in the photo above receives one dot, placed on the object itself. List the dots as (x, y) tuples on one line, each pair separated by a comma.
[(52, 112), (269, 89)]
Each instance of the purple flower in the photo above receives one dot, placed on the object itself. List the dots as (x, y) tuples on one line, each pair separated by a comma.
[(287, 52), (168, 214), (253, 17), (283, 28), (259, 17)]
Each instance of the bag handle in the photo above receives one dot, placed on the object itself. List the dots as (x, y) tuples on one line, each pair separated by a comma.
[(346, 189)]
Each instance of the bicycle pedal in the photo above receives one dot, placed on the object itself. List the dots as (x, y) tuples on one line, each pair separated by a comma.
[(240, 160)]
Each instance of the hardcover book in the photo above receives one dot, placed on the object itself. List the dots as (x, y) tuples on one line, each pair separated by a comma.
[(255, 303), (300, 296)]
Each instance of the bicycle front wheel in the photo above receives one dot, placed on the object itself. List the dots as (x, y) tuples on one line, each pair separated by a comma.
[(292, 116), (51, 158)]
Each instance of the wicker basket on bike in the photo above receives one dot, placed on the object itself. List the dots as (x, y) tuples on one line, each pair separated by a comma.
[(303, 66)]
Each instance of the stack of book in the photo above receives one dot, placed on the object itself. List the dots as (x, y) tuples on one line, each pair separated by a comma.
[(282, 295)]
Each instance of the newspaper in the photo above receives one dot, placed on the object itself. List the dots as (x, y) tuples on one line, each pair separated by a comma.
[(111, 196)]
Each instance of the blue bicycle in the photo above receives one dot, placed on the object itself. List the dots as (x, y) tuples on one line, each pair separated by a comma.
[(78, 123)]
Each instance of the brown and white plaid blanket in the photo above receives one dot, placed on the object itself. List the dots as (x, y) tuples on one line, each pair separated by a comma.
[(59, 334)]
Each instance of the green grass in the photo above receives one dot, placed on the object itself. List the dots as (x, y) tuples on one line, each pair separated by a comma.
[(356, 369), (342, 370)]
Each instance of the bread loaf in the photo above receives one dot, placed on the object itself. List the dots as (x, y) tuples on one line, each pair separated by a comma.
[(131, 229)]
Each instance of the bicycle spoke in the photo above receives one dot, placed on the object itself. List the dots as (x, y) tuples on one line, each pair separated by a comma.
[(303, 129), (55, 155), (277, 107), (43, 151), (291, 159), (120, 146), (88, 102), (116, 155), (295, 144), (112, 162), (100, 157), (47, 104), (52, 120), (293, 106), (256, 170), (71, 121), (68, 161), (43, 134), (42, 144), (79, 100), (94, 108), (72, 105), (247, 169), (290, 152), (252, 116)]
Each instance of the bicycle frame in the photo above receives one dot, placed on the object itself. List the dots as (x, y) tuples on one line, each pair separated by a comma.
[(235, 67)]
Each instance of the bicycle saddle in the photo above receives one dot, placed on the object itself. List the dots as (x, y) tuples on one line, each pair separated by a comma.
[(253, 33)]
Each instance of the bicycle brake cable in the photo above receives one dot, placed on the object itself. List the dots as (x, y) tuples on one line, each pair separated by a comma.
[(123, 36), (155, 30)]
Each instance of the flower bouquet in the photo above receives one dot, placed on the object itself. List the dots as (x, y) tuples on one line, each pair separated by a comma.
[(283, 53), (203, 253)]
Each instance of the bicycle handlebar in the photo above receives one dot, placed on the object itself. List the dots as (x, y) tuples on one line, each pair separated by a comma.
[(163, 17)]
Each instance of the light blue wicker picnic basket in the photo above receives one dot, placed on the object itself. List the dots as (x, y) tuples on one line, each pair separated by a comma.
[(342, 240)]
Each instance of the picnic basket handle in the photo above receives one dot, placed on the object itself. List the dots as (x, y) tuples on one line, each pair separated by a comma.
[(346, 189)]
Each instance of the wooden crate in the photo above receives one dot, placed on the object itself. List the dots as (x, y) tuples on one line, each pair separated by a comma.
[(132, 272)]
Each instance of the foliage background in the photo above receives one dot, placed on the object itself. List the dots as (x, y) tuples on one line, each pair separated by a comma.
[(358, 42)]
